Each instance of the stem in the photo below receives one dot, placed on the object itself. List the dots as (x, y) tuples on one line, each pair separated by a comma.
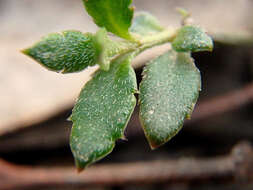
[(161, 38), (166, 36), (150, 41)]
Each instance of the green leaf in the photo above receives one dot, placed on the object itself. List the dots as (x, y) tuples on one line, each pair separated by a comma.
[(71, 51), (192, 39), (102, 112), (183, 12), (168, 93), (145, 24), (114, 15)]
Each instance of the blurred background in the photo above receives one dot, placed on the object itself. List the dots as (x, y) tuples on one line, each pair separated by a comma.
[(212, 151)]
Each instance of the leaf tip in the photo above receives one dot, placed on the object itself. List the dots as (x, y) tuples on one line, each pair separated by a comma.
[(25, 51), (123, 138), (79, 170), (188, 116), (80, 166), (155, 143), (69, 118), (153, 146), (211, 45), (183, 12)]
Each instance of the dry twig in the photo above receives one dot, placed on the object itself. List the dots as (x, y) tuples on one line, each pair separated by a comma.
[(224, 103), (237, 165)]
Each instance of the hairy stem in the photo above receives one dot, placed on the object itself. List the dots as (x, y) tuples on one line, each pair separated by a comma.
[(148, 42), (163, 37)]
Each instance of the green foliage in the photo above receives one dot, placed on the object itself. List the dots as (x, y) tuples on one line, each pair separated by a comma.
[(70, 51), (73, 51), (145, 24), (114, 15), (192, 39), (96, 126), (168, 92)]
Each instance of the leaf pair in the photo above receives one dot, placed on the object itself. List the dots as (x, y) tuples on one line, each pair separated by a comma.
[(168, 93)]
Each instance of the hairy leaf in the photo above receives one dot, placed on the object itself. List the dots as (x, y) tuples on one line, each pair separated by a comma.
[(102, 112), (145, 24), (168, 93), (114, 15), (71, 51), (192, 38)]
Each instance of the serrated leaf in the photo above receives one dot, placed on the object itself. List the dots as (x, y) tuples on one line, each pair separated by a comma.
[(114, 15), (67, 52), (192, 39), (168, 93), (145, 24), (102, 112)]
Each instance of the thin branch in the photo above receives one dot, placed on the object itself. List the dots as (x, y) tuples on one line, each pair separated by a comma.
[(224, 103), (237, 165)]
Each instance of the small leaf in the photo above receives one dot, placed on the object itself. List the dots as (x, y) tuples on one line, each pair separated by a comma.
[(114, 15), (102, 112), (168, 93), (145, 24), (192, 39), (71, 51), (183, 12), (102, 41)]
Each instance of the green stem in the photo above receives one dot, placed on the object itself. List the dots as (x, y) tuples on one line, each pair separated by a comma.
[(149, 42), (155, 40), (162, 37), (134, 49)]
